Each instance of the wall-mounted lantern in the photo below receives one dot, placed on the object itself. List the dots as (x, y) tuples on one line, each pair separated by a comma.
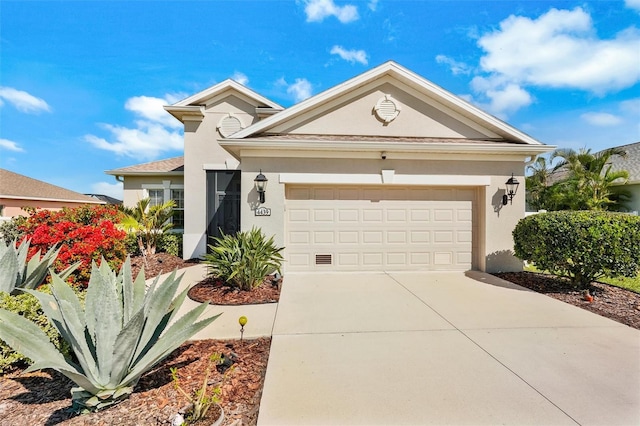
[(512, 187), (261, 185)]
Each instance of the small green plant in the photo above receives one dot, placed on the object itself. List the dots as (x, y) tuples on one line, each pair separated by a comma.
[(28, 307), (583, 246), (148, 223), (243, 259), (171, 243), (122, 331), (202, 399), (18, 273)]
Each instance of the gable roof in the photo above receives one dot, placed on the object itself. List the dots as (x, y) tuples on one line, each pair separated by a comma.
[(193, 105), (631, 163), (170, 166), (17, 186), (403, 75)]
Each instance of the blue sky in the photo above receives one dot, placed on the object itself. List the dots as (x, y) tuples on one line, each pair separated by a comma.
[(82, 83)]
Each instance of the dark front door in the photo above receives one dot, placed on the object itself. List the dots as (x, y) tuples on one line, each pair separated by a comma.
[(223, 203)]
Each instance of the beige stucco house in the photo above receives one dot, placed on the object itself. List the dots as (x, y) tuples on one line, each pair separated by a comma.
[(630, 163), (386, 171), (18, 191)]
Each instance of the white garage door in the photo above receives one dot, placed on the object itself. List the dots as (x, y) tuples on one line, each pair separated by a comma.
[(378, 228)]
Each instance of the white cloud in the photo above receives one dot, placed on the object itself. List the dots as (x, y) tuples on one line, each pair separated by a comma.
[(240, 78), (560, 49), (632, 4), (318, 10), (151, 109), (601, 119), (155, 132), (10, 145), (631, 106), (455, 66), (352, 55), (23, 101), (300, 90), (503, 97), (111, 189), (373, 5)]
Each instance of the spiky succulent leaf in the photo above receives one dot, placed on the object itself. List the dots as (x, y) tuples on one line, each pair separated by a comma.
[(75, 325), (104, 321), (28, 339), (9, 268), (125, 348), (177, 334), (118, 335)]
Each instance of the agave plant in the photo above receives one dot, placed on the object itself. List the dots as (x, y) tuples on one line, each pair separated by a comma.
[(16, 273), (120, 333), (244, 259)]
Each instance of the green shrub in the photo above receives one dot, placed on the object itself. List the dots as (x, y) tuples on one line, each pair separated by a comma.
[(243, 259), (121, 331), (171, 243), (131, 245), (10, 229), (583, 246), (28, 307)]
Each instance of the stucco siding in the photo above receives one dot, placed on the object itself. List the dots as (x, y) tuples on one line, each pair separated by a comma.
[(493, 243), (355, 116), (203, 152)]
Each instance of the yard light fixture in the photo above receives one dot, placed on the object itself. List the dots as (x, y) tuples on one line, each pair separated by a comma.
[(512, 187), (261, 185)]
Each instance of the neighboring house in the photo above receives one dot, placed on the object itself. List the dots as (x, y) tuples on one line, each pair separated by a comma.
[(17, 191), (386, 171), (158, 180), (631, 164), (107, 199)]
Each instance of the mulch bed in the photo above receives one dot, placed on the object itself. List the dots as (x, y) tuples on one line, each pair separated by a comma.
[(615, 303), (216, 292), (43, 398)]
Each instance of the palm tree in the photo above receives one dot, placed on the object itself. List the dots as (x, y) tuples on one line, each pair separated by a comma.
[(148, 223), (590, 183), (537, 184)]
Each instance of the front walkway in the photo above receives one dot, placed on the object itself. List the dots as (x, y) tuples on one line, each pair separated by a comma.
[(443, 349)]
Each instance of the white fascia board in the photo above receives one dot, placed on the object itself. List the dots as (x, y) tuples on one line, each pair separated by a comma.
[(201, 97), (377, 179), (235, 146), (186, 113)]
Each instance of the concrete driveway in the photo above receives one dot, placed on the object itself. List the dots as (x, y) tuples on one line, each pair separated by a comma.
[(443, 349)]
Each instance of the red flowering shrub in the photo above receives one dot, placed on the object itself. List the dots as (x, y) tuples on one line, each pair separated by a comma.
[(85, 233)]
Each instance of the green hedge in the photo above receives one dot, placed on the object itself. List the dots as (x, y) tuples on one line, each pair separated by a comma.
[(581, 245)]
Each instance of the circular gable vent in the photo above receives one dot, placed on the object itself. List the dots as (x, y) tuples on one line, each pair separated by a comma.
[(229, 125), (387, 109)]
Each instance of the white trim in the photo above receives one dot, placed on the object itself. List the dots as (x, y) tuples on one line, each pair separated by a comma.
[(377, 179), (206, 94)]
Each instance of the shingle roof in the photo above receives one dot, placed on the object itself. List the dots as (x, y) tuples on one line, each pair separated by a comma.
[(631, 163), (17, 186), (173, 165)]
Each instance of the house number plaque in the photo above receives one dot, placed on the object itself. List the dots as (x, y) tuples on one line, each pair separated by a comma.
[(263, 211)]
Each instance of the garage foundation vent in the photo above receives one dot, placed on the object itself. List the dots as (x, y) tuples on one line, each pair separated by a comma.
[(323, 259)]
